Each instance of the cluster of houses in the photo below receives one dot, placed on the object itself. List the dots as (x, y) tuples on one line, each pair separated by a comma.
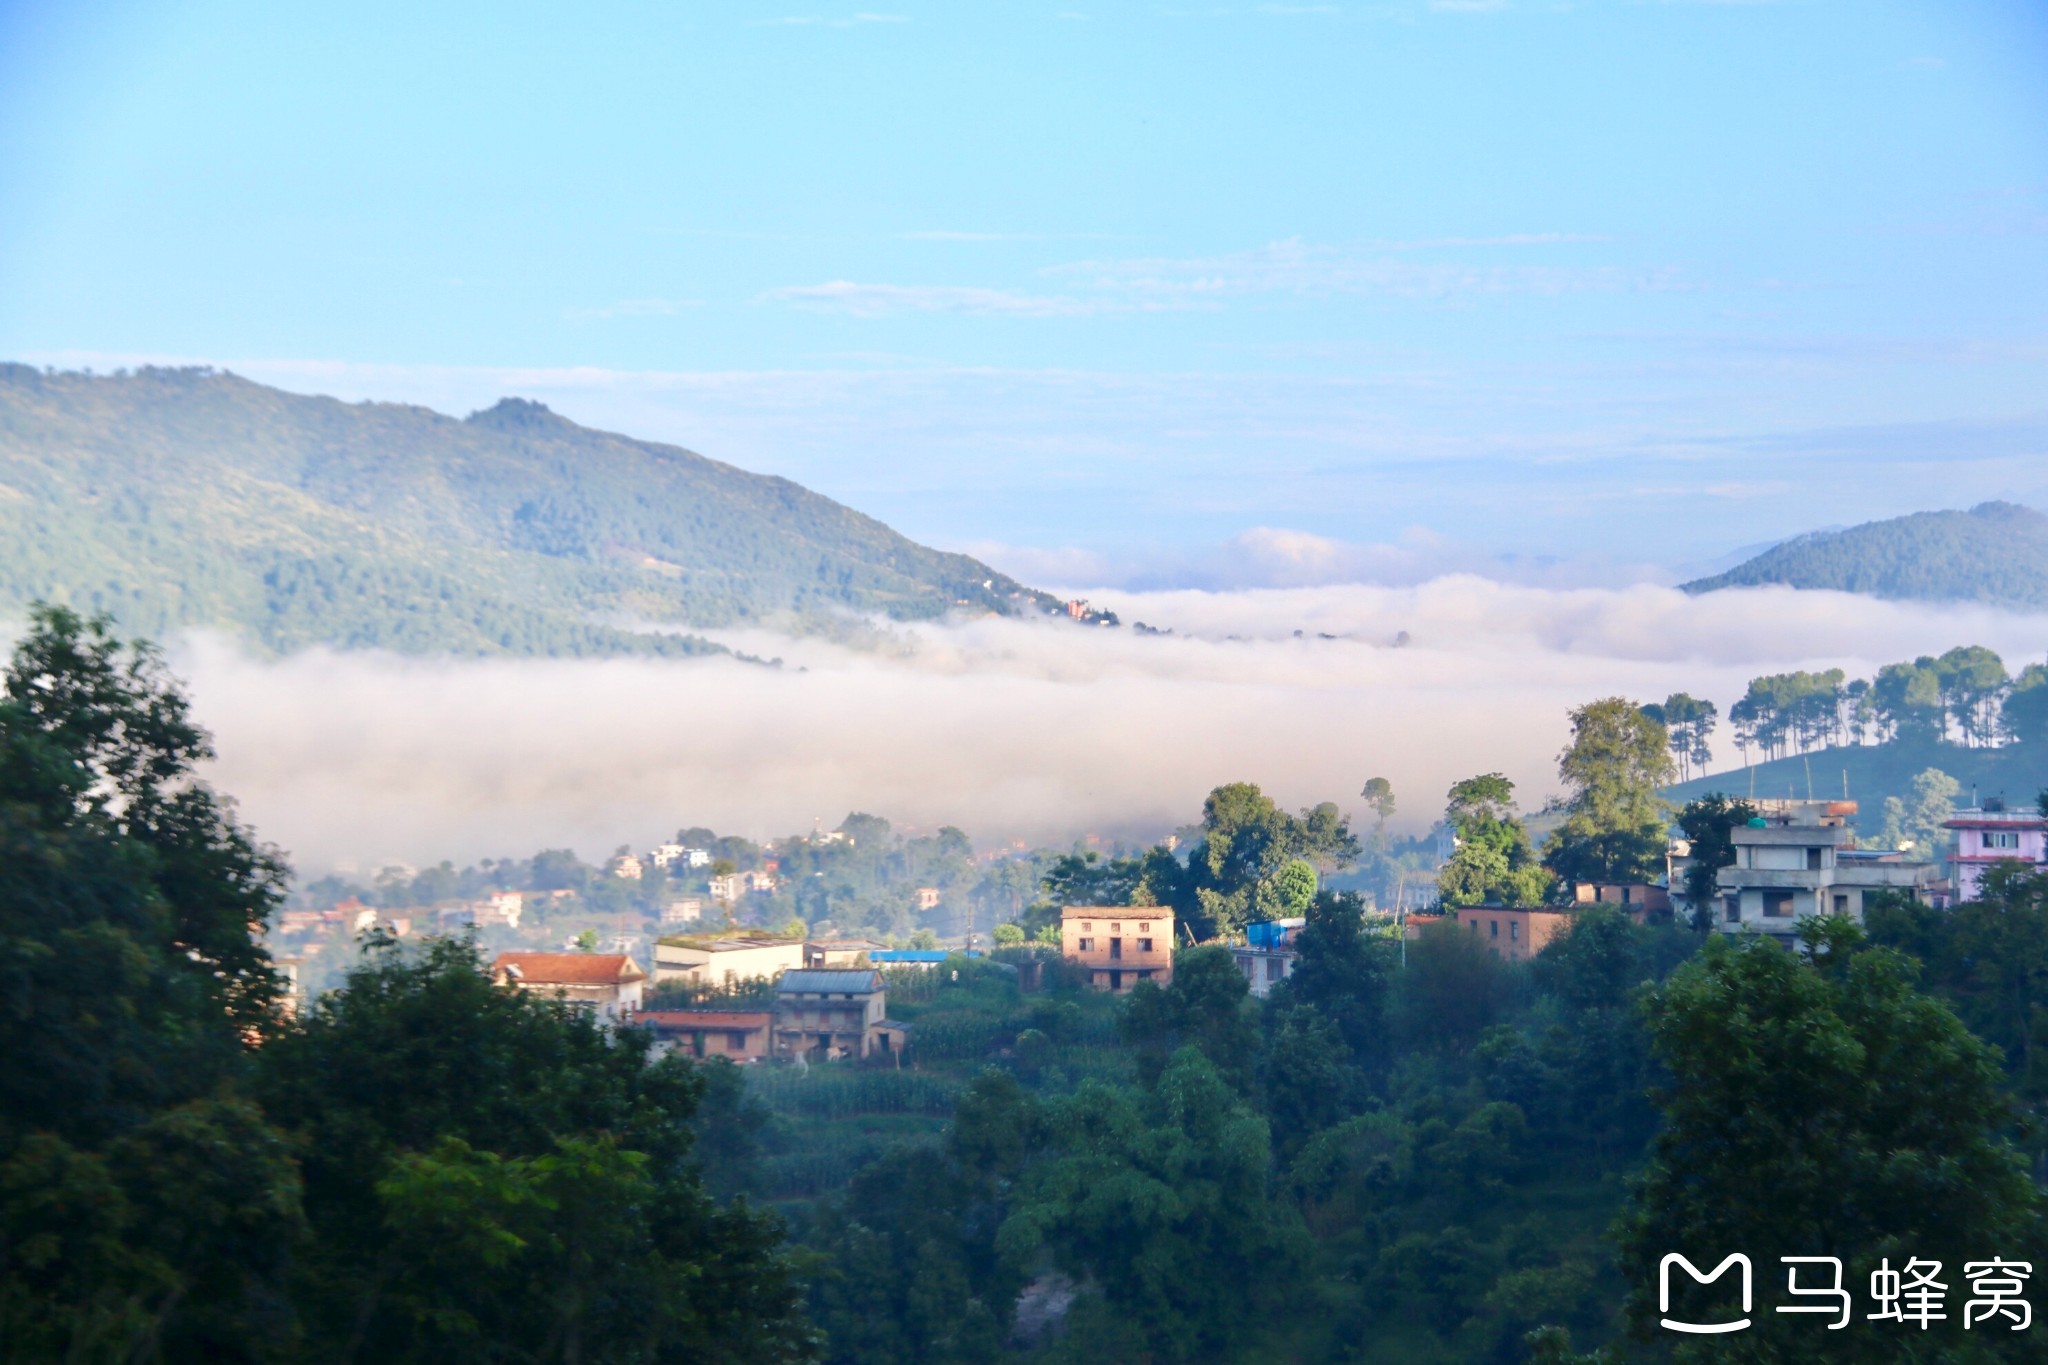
[(830, 1002), (351, 916), (1793, 860)]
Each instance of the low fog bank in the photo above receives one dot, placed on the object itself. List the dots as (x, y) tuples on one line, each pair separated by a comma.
[(1035, 730)]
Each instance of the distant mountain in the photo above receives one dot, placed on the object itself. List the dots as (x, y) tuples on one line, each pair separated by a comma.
[(1996, 552), (193, 497)]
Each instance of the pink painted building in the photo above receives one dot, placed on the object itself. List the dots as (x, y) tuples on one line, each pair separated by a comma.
[(1994, 835)]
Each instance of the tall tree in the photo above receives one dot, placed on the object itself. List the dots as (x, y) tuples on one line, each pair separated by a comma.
[(1614, 820), (1707, 823), (1819, 1105), (1246, 840), (144, 1208), (489, 1172), (1494, 862), (1690, 722)]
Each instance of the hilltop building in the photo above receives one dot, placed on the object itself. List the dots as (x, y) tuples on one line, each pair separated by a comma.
[(1990, 834), (1799, 858), (1119, 945)]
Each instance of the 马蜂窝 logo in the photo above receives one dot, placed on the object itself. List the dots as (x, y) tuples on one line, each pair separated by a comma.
[(1702, 1328)]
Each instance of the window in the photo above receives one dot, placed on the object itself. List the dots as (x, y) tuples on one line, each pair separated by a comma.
[(1274, 969), (1778, 904), (736, 1041), (1493, 929), (1116, 928), (1144, 945), (1145, 928), (2001, 838), (1813, 860), (1086, 945), (1841, 903), (1116, 946), (1515, 929), (1474, 922), (1734, 911), (1087, 927)]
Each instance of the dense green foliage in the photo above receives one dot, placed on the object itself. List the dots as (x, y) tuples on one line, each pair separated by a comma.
[(1995, 552), (174, 498), (1614, 821), (1412, 1150), (1822, 1107), (1494, 862), (427, 1167)]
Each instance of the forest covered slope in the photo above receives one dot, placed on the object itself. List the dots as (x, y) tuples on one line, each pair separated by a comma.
[(193, 497), (1996, 552)]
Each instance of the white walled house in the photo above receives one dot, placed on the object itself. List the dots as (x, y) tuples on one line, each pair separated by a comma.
[(1800, 859)]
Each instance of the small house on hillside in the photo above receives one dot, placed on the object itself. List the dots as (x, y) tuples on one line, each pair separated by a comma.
[(829, 1014), (1513, 933), (1268, 953), (736, 1035), (1119, 945), (608, 983)]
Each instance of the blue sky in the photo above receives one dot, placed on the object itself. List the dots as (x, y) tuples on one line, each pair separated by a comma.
[(1144, 294)]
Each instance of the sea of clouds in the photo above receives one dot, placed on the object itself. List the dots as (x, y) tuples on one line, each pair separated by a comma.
[(1035, 730)]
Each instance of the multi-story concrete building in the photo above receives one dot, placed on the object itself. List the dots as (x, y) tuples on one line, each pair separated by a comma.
[(1799, 858), (1119, 945), (1991, 834)]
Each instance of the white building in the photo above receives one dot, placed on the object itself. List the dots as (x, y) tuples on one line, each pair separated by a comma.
[(664, 854), (686, 910), (1798, 859)]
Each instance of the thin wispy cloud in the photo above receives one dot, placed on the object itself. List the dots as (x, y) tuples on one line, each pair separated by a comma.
[(633, 308), (884, 300), (824, 21), (1296, 267)]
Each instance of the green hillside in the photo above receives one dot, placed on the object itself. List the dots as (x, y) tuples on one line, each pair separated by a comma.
[(1873, 772), (193, 497), (1996, 552)]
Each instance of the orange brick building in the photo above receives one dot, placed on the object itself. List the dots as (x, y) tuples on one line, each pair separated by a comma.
[(1119, 945), (1516, 935)]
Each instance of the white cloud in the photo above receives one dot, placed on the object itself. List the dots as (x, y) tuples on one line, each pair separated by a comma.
[(1037, 730)]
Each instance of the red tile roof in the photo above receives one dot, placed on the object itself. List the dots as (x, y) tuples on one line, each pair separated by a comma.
[(570, 969), (705, 1019)]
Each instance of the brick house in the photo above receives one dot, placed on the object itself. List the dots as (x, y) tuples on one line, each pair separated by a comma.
[(1119, 945)]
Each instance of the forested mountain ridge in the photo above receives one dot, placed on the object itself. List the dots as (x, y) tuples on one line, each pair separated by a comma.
[(1996, 552), (193, 497)]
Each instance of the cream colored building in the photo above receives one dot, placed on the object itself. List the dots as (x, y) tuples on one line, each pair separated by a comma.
[(726, 961)]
